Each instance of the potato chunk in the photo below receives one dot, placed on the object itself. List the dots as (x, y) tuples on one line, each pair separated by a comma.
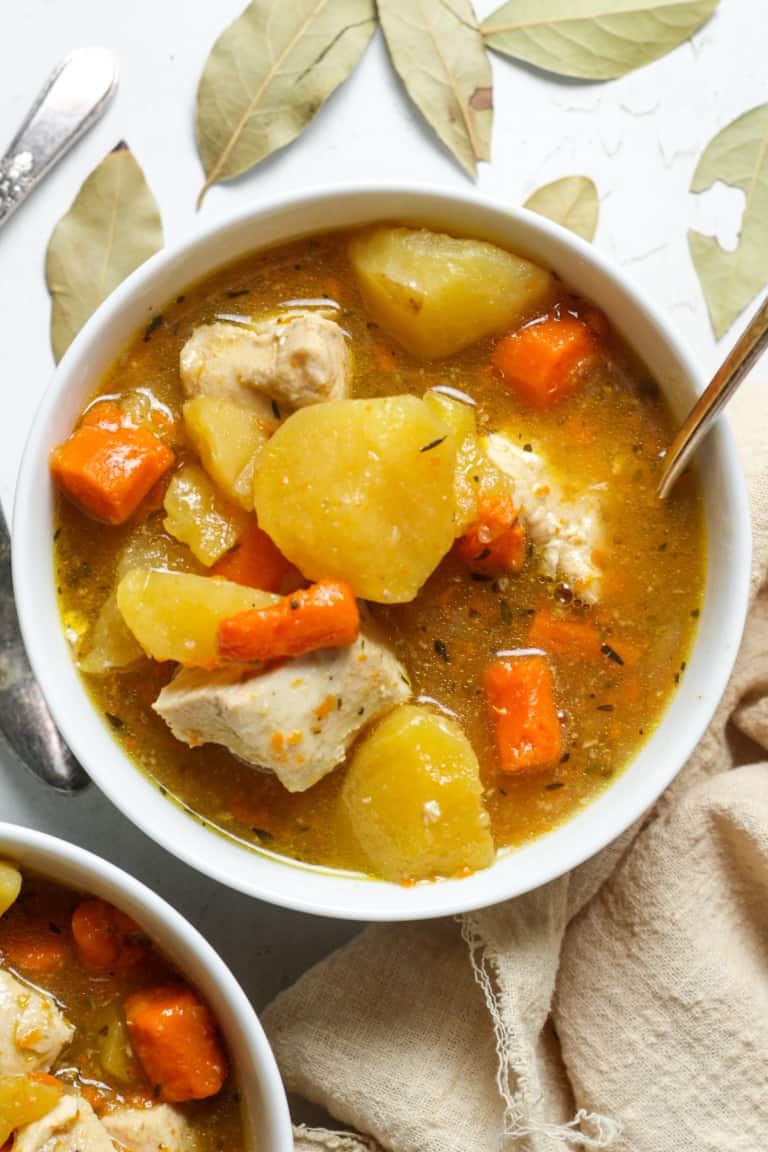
[(361, 491), (174, 615), (22, 1101), (111, 644), (10, 885), (461, 418), (228, 438), (198, 516), (414, 798), (436, 294)]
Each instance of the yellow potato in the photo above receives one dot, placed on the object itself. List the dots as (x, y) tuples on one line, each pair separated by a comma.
[(10, 885), (22, 1101), (228, 438), (436, 294), (175, 615), (362, 491), (199, 517), (110, 643), (414, 799), (461, 418), (149, 546)]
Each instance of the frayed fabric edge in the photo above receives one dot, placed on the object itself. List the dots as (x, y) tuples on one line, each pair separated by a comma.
[(604, 1130), (334, 1141)]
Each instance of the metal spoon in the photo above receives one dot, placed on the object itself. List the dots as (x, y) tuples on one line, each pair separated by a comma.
[(742, 359), (72, 99)]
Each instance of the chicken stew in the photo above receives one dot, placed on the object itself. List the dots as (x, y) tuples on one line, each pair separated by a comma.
[(359, 554), (103, 1046)]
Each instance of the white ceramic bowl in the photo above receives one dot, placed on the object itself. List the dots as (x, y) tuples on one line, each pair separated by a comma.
[(314, 889), (265, 1114)]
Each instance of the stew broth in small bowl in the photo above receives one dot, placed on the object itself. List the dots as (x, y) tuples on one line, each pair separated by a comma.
[(382, 617)]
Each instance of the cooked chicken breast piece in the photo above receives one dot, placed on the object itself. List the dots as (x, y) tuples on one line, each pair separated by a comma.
[(33, 1029), (158, 1129), (564, 531), (297, 358), (295, 719), (72, 1126)]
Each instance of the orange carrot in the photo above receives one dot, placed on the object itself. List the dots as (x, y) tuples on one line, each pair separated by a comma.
[(107, 466), (521, 699), (105, 938), (255, 561), (578, 639), (34, 947), (324, 615), (537, 362), (495, 544), (174, 1037)]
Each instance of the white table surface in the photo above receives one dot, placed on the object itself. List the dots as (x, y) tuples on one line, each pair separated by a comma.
[(639, 139)]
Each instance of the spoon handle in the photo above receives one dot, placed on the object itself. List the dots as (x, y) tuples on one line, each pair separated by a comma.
[(25, 721), (742, 359), (74, 97)]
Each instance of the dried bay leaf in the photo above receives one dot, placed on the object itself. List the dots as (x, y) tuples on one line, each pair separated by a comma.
[(112, 227), (438, 52), (593, 39), (269, 73), (738, 156), (571, 201)]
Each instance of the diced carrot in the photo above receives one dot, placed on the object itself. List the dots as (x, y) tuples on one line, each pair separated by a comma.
[(174, 1037), (384, 358), (324, 615), (105, 414), (107, 466), (538, 361), (577, 638), (34, 947), (47, 1078), (520, 696), (105, 938), (254, 561), (495, 543)]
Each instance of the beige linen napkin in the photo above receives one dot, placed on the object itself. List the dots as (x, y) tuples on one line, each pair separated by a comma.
[(623, 1006)]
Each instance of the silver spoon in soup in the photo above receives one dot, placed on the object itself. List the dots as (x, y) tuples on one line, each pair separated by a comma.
[(736, 366)]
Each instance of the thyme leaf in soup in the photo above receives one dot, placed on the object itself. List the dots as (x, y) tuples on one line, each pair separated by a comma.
[(268, 74), (593, 39), (738, 156), (571, 201), (112, 227), (438, 52)]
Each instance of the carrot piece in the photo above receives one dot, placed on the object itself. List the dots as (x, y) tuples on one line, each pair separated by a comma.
[(324, 615), (34, 947), (495, 543), (107, 466), (521, 699), (538, 361), (174, 1037), (105, 938), (577, 639), (254, 561)]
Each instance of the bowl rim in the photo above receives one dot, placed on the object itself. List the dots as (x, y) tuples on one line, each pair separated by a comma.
[(361, 900), (41, 851)]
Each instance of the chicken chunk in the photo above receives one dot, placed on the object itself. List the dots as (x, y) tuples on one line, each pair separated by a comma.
[(296, 719), (158, 1129), (33, 1029), (564, 531), (72, 1126), (295, 359)]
